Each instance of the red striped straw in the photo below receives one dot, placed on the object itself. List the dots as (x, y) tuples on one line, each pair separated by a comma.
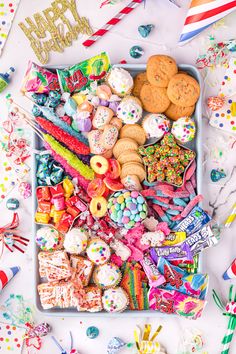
[(116, 19)]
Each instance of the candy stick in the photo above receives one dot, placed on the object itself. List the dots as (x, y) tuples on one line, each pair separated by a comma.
[(231, 217), (116, 19), (73, 143), (83, 182), (71, 158)]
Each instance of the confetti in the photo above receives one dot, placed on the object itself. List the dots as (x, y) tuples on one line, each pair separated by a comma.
[(7, 13), (11, 339)]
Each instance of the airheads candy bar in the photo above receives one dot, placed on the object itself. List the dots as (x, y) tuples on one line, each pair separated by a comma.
[(39, 80), (201, 239), (79, 76), (195, 285), (174, 302), (181, 252), (174, 238), (194, 222)]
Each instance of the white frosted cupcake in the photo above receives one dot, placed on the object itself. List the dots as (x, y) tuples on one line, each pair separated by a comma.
[(120, 81), (98, 251), (156, 125), (107, 276), (115, 300), (130, 110), (184, 129), (76, 241)]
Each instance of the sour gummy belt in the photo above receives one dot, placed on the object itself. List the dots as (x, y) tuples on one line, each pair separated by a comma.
[(79, 76)]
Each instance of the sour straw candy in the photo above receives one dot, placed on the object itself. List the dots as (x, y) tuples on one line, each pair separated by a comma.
[(70, 141), (70, 158), (202, 14), (116, 19)]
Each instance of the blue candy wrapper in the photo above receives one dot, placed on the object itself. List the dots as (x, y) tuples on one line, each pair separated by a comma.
[(194, 222), (195, 285)]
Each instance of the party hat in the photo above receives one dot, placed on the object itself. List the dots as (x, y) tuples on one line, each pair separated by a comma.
[(202, 14), (6, 274), (230, 272)]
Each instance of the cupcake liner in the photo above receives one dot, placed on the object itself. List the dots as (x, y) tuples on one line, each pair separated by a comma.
[(105, 287)]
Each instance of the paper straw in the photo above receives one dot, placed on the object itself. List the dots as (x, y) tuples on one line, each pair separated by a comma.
[(231, 217), (111, 23)]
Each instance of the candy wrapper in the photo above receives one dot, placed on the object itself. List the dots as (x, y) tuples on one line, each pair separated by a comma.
[(201, 240), (155, 278), (202, 14), (178, 252), (39, 80), (194, 221), (174, 302), (79, 76), (195, 285), (225, 118)]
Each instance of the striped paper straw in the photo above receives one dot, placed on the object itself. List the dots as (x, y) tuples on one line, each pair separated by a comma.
[(228, 336), (116, 19), (231, 217)]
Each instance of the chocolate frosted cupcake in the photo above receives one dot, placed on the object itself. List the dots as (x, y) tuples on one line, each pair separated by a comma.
[(107, 276)]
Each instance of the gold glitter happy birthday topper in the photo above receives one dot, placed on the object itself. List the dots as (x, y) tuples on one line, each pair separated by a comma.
[(52, 30)]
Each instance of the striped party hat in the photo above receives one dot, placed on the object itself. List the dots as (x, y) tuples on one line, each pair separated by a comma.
[(6, 274), (202, 14)]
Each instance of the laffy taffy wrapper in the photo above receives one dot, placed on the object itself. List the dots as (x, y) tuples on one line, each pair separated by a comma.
[(178, 279), (174, 302), (39, 80), (79, 76), (54, 265)]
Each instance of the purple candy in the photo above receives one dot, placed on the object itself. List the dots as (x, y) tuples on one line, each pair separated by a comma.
[(104, 103), (84, 125), (133, 206), (113, 105)]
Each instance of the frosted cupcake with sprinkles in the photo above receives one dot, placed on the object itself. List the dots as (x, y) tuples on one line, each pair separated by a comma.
[(184, 130), (120, 81), (98, 251)]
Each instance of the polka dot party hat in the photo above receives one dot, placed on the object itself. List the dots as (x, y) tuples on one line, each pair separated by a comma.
[(7, 12)]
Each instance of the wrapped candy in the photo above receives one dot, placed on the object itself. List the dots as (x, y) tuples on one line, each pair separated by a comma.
[(147, 344), (39, 80), (202, 14)]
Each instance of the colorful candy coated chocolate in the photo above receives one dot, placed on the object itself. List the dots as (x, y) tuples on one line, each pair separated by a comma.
[(92, 332), (136, 52)]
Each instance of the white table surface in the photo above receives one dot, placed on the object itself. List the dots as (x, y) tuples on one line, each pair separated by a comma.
[(168, 20)]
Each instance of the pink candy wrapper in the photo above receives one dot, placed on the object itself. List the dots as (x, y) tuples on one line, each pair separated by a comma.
[(155, 278), (174, 302), (39, 80)]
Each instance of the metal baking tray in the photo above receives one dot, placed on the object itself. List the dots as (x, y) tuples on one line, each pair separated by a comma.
[(195, 145)]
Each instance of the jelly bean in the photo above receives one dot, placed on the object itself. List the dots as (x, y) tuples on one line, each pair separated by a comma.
[(132, 206), (131, 223), (120, 199), (137, 218), (126, 195), (140, 199), (140, 207), (132, 217), (127, 213), (122, 207), (143, 215), (117, 206), (134, 194), (125, 219)]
